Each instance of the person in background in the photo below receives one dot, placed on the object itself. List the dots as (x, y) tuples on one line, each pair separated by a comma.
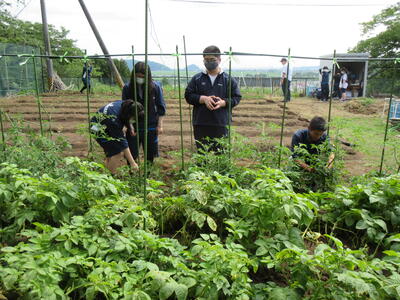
[(336, 83), (86, 76), (286, 79), (315, 134), (343, 84), (111, 126), (208, 93), (156, 110), (324, 83)]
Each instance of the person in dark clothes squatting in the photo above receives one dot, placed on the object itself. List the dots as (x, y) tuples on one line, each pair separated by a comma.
[(308, 138), (111, 126), (324, 83), (86, 77), (208, 93), (156, 110)]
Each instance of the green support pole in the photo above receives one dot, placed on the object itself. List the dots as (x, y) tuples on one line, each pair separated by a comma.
[(229, 101), (387, 126), (331, 91), (146, 107), (284, 112), (3, 138), (89, 86), (180, 110), (136, 111), (37, 93), (189, 106)]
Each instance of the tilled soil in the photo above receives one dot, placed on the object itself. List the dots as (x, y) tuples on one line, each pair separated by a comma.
[(68, 117)]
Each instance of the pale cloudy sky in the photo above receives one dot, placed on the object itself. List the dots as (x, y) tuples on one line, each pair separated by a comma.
[(308, 27)]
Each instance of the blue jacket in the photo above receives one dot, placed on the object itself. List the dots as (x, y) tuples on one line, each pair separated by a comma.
[(301, 137), (112, 122), (157, 105), (200, 85), (89, 74), (325, 77)]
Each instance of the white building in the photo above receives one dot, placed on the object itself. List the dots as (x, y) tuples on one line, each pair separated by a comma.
[(357, 67)]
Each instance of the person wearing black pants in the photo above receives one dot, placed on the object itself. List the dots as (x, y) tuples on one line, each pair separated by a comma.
[(208, 93), (156, 111), (86, 76), (286, 89), (324, 83), (286, 79)]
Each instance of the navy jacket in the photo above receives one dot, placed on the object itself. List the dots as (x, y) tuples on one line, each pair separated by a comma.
[(325, 77), (200, 85), (157, 105), (302, 137), (112, 122)]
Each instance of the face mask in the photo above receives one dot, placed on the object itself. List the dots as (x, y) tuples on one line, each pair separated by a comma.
[(211, 65), (139, 80), (343, 72)]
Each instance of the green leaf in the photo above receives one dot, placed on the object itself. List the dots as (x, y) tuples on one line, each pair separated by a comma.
[(167, 290), (211, 223), (391, 253), (9, 280), (261, 251), (181, 291), (8, 249), (337, 242), (361, 225), (92, 249), (188, 281), (286, 293), (381, 223), (196, 249), (198, 218), (90, 293)]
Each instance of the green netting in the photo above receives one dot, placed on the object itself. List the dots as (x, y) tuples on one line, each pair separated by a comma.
[(16, 78)]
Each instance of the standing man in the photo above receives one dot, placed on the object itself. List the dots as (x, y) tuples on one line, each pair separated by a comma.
[(286, 79), (344, 83), (86, 75), (208, 92), (324, 83)]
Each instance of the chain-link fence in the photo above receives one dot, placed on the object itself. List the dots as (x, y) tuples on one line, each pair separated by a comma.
[(17, 73)]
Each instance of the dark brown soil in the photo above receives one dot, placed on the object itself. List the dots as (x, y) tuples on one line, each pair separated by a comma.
[(68, 115)]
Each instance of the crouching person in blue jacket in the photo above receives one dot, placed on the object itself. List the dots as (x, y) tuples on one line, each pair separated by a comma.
[(156, 110), (111, 126), (208, 92)]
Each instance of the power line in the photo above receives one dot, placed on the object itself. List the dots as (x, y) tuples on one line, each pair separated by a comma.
[(280, 4), (155, 39), (25, 6)]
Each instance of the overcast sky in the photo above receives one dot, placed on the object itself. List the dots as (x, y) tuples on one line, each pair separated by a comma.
[(308, 27)]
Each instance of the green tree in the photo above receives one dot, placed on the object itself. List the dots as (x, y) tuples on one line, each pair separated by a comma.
[(101, 69), (382, 39), (15, 31)]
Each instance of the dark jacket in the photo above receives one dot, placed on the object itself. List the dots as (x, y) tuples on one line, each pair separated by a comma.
[(200, 85), (157, 105), (112, 122), (88, 74), (301, 137), (325, 77)]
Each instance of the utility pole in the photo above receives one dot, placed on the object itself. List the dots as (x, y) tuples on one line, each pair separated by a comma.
[(47, 49), (103, 47)]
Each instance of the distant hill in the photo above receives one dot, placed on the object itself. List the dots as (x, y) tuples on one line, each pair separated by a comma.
[(154, 66), (193, 68)]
